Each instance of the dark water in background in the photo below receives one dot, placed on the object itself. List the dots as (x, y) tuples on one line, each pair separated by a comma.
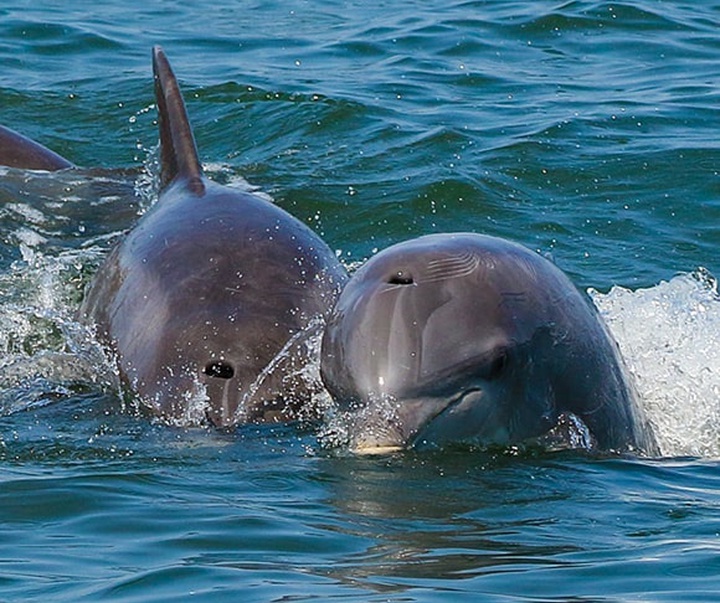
[(584, 129)]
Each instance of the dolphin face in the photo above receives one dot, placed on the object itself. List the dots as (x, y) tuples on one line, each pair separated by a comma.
[(447, 338), (219, 366)]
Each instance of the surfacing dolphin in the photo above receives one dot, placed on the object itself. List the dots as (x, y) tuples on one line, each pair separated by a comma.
[(213, 293), (465, 337), (17, 151)]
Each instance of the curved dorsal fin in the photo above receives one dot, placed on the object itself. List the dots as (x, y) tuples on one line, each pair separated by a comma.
[(178, 153), (17, 151)]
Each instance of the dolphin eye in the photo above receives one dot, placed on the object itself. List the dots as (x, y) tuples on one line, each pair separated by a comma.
[(219, 369), (401, 278)]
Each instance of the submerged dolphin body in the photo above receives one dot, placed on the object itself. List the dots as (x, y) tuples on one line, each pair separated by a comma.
[(17, 151), (208, 302), (464, 337)]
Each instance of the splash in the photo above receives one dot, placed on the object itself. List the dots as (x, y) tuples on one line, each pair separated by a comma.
[(668, 335), (50, 225), (147, 182), (299, 364), (194, 403), (44, 351), (362, 429)]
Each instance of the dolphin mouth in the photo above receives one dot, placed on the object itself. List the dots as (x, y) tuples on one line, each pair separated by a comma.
[(377, 436), (442, 423), (399, 426)]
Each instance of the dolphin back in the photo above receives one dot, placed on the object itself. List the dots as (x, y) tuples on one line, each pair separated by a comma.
[(17, 151), (178, 153)]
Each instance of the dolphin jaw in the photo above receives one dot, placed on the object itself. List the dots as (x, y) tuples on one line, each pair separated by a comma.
[(221, 409), (387, 424), (379, 433), (375, 450), (471, 416)]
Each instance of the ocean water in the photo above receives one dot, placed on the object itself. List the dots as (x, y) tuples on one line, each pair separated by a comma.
[(587, 130)]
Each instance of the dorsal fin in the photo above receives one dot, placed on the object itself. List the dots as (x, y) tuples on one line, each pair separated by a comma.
[(178, 153), (17, 151)]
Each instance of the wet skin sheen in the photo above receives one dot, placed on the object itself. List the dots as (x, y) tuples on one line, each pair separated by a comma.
[(464, 337)]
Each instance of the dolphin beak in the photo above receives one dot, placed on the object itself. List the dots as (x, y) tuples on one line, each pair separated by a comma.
[(375, 450), (222, 412), (376, 436)]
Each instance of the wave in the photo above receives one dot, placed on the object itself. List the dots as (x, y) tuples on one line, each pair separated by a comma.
[(668, 335)]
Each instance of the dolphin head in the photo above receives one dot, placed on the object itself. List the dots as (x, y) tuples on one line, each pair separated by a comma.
[(445, 338)]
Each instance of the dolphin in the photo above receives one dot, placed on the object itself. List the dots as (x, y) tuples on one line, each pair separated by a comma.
[(209, 301), (470, 338), (17, 151)]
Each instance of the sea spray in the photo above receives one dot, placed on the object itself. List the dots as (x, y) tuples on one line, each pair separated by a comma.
[(669, 335)]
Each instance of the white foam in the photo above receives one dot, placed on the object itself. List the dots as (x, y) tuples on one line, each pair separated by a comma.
[(42, 346), (31, 214), (669, 335)]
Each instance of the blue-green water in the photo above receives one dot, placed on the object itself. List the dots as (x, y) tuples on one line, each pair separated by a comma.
[(588, 130)]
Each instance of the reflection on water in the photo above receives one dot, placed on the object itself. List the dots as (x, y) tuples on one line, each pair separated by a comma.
[(438, 520), (448, 516)]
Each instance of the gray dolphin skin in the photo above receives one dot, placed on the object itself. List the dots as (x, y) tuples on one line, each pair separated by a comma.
[(208, 301), (17, 151), (471, 338)]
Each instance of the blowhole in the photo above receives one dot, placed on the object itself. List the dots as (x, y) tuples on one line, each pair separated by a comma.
[(219, 369), (401, 278)]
